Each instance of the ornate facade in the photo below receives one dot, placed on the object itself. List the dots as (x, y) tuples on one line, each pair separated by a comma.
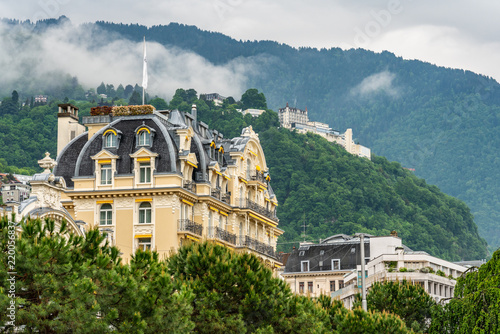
[(160, 179)]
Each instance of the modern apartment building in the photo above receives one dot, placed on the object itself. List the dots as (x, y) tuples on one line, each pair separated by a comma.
[(333, 267)]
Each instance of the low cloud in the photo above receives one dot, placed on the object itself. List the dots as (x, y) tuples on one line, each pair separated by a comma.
[(381, 82), (38, 60)]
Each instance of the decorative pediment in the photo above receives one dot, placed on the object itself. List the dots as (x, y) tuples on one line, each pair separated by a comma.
[(191, 159), (214, 165), (104, 155), (143, 152)]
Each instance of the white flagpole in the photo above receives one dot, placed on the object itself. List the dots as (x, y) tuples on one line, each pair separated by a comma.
[(144, 73)]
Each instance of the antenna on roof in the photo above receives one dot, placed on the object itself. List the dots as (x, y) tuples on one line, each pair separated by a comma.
[(304, 226)]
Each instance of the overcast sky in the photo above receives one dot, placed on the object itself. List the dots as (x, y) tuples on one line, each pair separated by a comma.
[(459, 34)]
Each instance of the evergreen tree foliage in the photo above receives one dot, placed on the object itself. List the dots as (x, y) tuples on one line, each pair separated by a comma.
[(475, 307), (66, 283), (159, 103), (253, 99), (135, 99), (357, 321), (405, 299), (236, 293), (101, 89)]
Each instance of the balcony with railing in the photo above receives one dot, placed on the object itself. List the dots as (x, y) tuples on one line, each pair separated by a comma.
[(221, 234), (257, 176), (246, 241), (190, 185), (226, 198), (260, 209), (186, 225)]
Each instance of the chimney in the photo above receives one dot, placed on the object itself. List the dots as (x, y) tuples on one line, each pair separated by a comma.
[(68, 126), (194, 112)]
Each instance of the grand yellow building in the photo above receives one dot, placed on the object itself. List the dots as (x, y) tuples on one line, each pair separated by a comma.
[(156, 179)]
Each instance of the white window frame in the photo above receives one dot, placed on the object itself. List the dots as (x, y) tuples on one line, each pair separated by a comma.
[(110, 140), (302, 266), (106, 174), (145, 172), (333, 264), (144, 244), (108, 215), (143, 212), (144, 138)]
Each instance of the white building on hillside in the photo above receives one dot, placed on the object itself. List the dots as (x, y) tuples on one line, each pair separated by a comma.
[(297, 119)]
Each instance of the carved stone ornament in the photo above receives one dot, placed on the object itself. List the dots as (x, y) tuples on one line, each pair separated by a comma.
[(47, 163)]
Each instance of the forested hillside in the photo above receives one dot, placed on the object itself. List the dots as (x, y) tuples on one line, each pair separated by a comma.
[(320, 185), (317, 183), (444, 123)]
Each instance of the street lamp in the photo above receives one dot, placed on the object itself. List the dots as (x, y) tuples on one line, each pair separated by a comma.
[(363, 283)]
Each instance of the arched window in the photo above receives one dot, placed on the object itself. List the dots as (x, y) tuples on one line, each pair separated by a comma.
[(106, 214), (145, 213), (144, 138), (110, 140)]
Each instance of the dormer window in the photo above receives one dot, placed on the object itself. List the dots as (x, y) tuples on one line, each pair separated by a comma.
[(110, 140), (212, 151), (144, 138), (220, 155)]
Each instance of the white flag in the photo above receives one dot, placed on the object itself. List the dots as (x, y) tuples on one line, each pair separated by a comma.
[(145, 68)]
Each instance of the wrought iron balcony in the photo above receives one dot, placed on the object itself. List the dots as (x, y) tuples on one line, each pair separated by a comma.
[(221, 234), (258, 176), (186, 225), (260, 209), (226, 198), (190, 185), (246, 241)]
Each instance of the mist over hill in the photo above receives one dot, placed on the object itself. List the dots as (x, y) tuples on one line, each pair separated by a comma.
[(442, 122)]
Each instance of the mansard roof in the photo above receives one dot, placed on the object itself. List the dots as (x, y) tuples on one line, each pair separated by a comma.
[(75, 160)]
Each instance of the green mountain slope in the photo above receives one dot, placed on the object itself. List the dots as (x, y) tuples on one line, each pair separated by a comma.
[(443, 122), (331, 191), (318, 183)]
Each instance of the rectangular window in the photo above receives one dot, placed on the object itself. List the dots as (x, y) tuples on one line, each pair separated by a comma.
[(341, 284), (106, 174), (336, 264), (332, 286), (145, 243), (304, 265), (301, 287), (145, 172), (310, 287)]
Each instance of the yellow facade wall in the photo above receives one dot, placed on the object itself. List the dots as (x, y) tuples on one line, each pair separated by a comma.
[(124, 182), (83, 184), (124, 232), (165, 231)]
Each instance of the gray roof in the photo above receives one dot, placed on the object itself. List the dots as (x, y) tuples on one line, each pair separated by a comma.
[(75, 159)]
